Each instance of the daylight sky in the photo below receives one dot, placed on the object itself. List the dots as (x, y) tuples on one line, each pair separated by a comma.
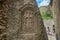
[(43, 2)]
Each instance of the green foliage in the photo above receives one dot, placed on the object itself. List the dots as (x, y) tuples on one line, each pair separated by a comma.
[(47, 15)]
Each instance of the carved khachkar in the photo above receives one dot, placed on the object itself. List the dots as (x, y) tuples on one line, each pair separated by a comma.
[(3, 19), (32, 25), (24, 21)]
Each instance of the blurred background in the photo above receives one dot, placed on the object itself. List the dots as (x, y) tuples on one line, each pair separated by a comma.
[(47, 15)]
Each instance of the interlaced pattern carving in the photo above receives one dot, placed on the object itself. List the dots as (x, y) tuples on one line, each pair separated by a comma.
[(3, 19)]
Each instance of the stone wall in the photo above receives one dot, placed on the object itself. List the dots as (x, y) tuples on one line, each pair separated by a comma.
[(24, 21), (3, 19)]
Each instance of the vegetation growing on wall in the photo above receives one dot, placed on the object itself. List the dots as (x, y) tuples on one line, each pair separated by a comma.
[(47, 15)]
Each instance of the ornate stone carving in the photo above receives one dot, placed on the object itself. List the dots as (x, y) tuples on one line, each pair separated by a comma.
[(3, 19)]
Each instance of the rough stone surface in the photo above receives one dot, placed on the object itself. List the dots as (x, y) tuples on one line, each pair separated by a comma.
[(3, 19), (56, 14), (24, 21)]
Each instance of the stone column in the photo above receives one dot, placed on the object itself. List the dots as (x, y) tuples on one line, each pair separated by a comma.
[(56, 13)]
